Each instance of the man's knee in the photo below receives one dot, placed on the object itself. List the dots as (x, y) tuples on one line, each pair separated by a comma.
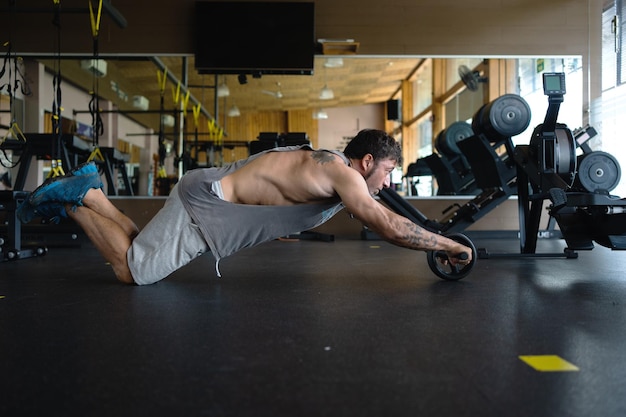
[(126, 279), (124, 275)]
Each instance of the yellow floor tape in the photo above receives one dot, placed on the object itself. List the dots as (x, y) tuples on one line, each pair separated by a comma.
[(548, 363)]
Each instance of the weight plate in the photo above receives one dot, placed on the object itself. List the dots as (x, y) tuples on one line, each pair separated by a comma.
[(447, 139), (437, 261), (477, 120), (506, 116), (598, 171)]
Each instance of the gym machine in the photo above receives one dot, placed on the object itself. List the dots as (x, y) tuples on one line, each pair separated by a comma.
[(269, 140), (547, 169), (11, 245), (73, 151), (581, 204), (489, 153), (448, 165)]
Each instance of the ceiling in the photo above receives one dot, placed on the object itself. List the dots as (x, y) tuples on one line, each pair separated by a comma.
[(355, 81)]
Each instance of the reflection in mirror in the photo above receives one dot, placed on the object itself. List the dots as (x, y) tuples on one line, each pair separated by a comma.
[(143, 110)]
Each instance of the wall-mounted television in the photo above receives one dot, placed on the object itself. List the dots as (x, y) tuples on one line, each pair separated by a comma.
[(254, 37)]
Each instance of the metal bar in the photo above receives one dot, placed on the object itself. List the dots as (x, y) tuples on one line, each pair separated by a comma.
[(176, 133), (176, 111), (172, 78)]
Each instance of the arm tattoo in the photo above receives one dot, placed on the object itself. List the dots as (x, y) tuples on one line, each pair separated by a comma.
[(322, 157), (416, 238)]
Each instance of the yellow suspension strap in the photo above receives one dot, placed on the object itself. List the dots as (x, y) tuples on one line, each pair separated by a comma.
[(196, 114), (176, 93), (12, 85), (15, 132), (94, 103), (95, 19), (96, 155), (162, 79), (162, 173), (216, 135), (56, 164), (56, 168), (184, 152), (196, 120), (185, 104)]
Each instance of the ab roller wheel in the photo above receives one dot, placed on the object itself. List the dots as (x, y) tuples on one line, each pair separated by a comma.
[(438, 260)]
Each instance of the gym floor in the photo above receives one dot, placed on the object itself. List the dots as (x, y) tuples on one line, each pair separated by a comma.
[(309, 328)]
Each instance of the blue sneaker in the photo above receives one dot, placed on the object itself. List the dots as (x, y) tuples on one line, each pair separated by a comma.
[(70, 188), (83, 169), (52, 211)]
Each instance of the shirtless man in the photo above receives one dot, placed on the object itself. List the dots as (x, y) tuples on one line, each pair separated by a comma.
[(223, 210)]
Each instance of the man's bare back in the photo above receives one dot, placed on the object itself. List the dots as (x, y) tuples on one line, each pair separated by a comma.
[(304, 176), (283, 178)]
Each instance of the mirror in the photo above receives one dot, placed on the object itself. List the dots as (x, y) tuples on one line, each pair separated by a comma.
[(140, 102)]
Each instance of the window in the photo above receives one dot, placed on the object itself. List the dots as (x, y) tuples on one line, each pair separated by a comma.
[(423, 88), (609, 111), (531, 89)]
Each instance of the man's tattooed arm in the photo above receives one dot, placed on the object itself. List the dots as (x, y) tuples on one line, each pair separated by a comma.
[(417, 238)]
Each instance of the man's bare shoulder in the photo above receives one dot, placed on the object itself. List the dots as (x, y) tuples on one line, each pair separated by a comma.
[(305, 157), (287, 177), (324, 157)]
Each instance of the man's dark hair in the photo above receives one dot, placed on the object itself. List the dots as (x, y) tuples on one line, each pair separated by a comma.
[(375, 142)]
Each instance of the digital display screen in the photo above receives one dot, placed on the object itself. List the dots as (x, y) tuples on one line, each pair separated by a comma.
[(554, 83)]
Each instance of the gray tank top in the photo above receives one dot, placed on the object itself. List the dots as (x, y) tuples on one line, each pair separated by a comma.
[(228, 227)]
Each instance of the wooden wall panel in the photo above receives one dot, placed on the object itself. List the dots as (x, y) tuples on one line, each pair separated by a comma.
[(302, 121), (410, 147), (247, 127)]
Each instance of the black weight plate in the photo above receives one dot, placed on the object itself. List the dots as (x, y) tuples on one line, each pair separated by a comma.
[(509, 115), (598, 171), (448, 138), (506, 116), (477, 124), (446, 271)]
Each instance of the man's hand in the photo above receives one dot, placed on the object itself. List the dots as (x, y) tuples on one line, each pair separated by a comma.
[(460, 255)]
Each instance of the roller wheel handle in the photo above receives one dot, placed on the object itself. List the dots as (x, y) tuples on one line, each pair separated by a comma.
[(438, 260), (443, 256)]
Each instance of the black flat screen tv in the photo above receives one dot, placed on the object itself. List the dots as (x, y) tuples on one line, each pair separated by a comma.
[(254, 37)]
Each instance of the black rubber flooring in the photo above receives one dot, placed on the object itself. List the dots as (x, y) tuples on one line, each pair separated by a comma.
[(344, 328)]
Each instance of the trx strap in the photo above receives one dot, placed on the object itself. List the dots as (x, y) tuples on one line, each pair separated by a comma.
[(162, 79), (96, 155), (56, 164), (16, 82), (94, 103), (12, 86)]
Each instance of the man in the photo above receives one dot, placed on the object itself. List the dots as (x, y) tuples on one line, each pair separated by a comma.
[(223, 210)]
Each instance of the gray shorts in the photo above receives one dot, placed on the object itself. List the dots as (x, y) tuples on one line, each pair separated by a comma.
[(168, 242)]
